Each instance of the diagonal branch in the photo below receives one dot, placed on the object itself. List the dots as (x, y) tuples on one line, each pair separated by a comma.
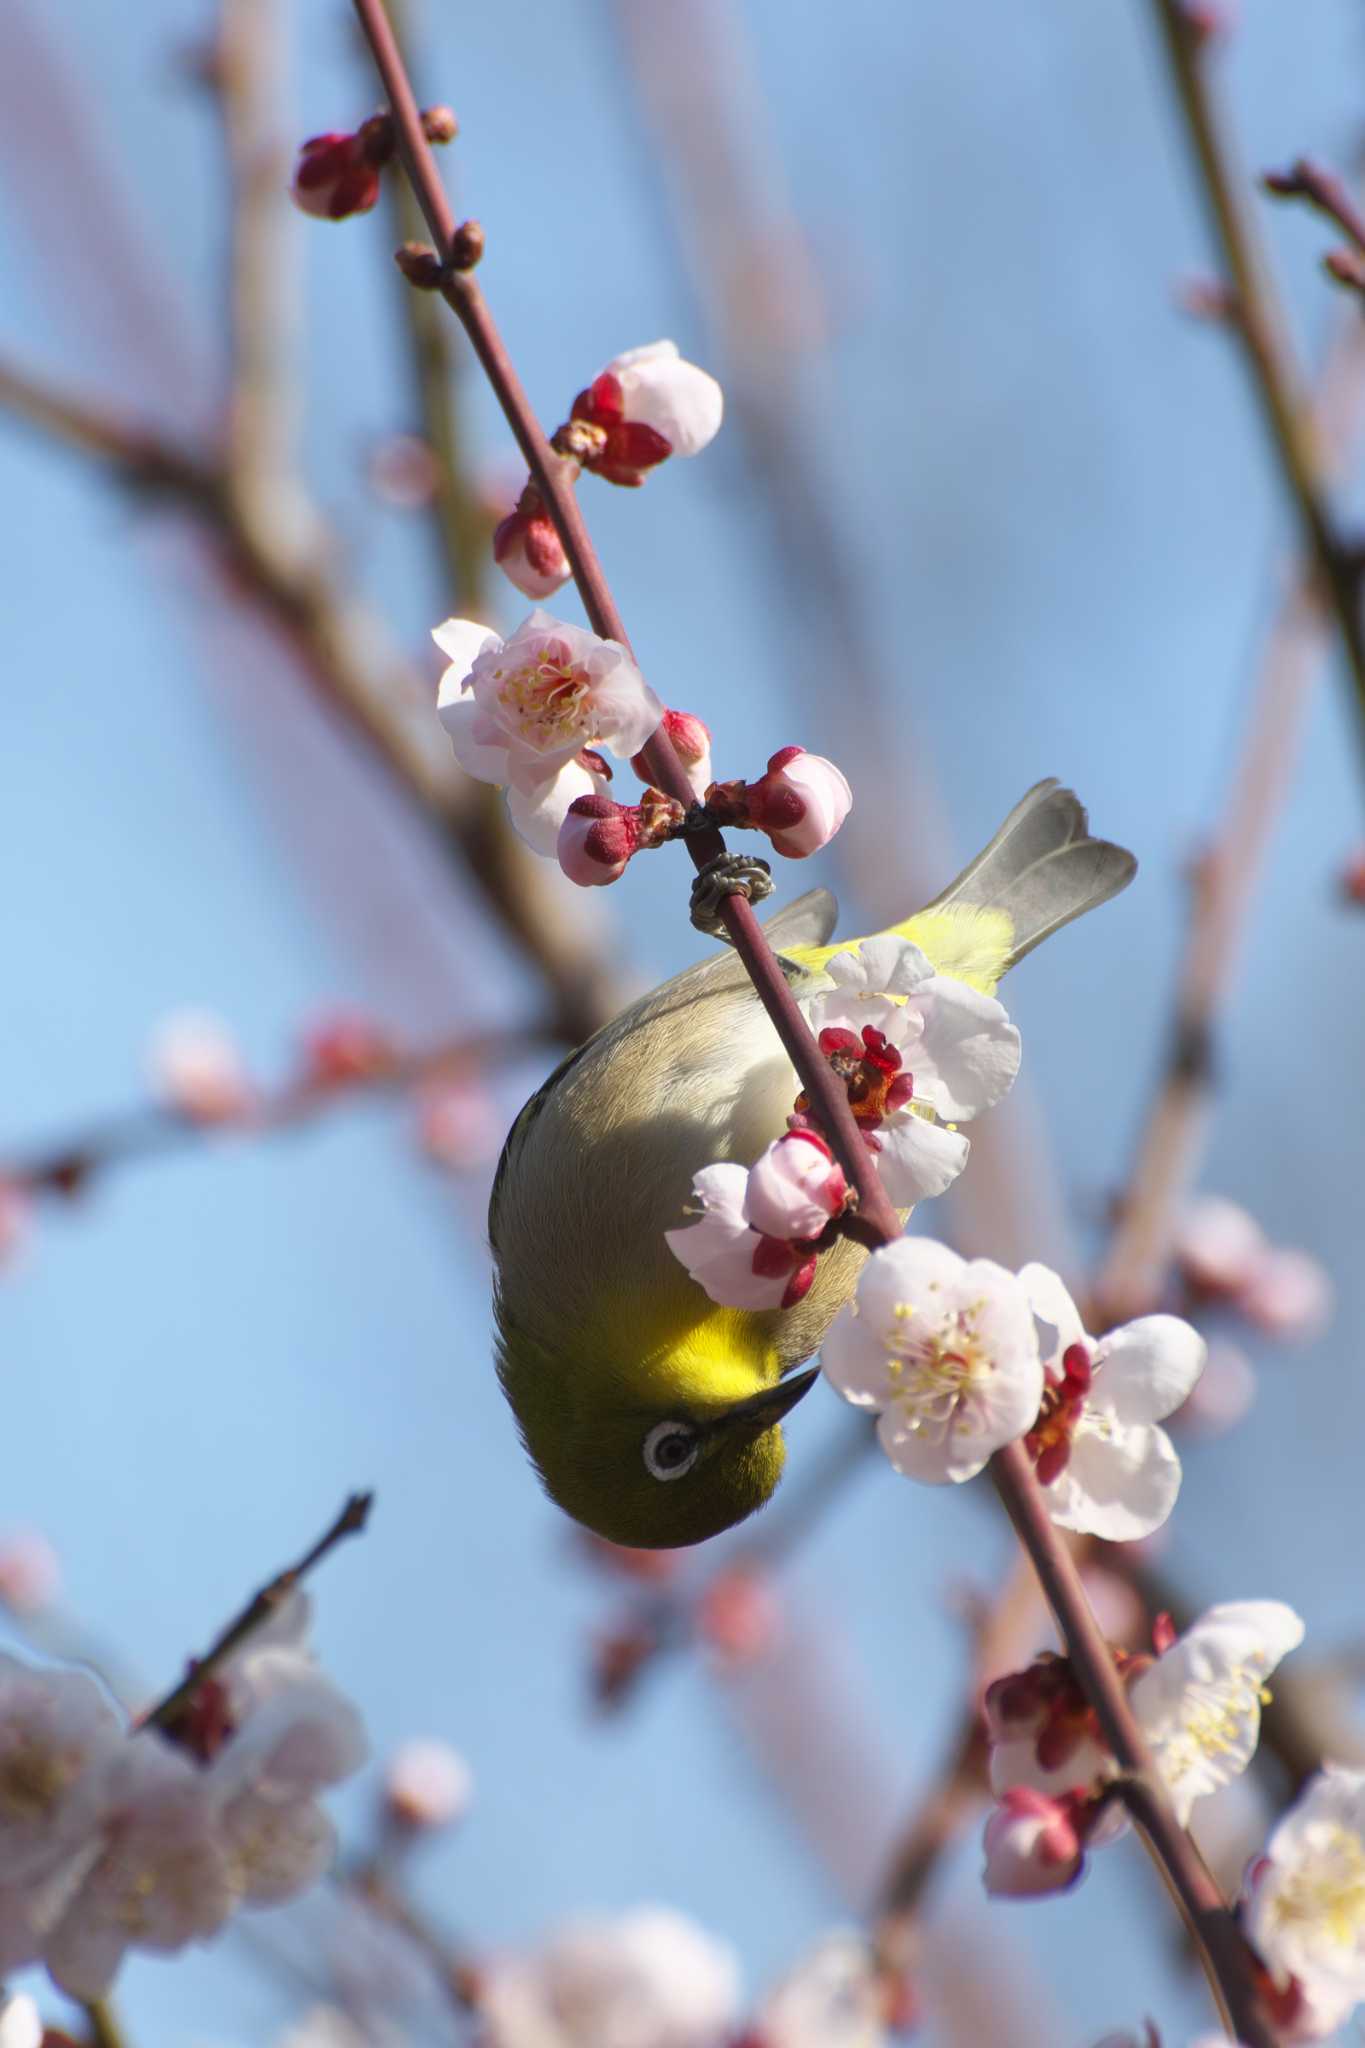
[(350, 1521)]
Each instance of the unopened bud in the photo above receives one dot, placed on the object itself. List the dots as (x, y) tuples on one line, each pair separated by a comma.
[(420, 265), (692, 744), (1031, 1845), (335, 177), (529, 551), (795, 1188), (377, 139), (800, 803), (439, 124), (738, 1614), (344, 1049), (1352, 882), (596, 840), (1208, 20), (30, 1576), (466, 245)]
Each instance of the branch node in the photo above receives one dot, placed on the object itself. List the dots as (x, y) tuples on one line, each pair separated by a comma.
[(731, 874)]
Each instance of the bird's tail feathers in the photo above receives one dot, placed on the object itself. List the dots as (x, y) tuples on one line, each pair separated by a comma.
[(1041, 869)]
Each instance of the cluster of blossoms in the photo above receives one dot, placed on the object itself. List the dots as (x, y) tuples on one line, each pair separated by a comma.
[(114, 1837), (535, 712), (653, 1979), (919, 1054), (1198, 1703)]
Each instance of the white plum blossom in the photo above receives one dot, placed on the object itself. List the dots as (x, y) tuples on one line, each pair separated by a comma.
[(160, 1877), (59, 1741), (649, 1979), (794, 1187), (20, 2023), (955, 1047), (800, 802), (734, 1264), (1032, 1845), (520, 713), (1199, 1704), (945, 1349), (834, 1998), (427, 1784), (196, 1069), (1306, 1910), (1105, 1467)]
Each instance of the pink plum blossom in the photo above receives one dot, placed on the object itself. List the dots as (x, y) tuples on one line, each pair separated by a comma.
[(795, 1187), (945, 1350), (1289, 1296), (1105, 1467), (524, 712), (800, 803)]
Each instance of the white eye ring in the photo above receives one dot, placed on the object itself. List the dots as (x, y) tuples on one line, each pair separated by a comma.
[(663, 1445)]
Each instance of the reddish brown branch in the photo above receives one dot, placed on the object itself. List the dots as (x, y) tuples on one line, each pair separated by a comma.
[(354, 1514)]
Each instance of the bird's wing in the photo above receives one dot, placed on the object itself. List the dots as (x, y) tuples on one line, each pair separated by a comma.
[(807, 921)]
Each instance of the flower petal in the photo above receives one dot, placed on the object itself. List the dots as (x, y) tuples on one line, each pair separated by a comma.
[(968, 1054), (460, 714), (462, 641), (1121, 1482), (1149, 1367), (538, 814), (918, 1159), (1052, 1304)]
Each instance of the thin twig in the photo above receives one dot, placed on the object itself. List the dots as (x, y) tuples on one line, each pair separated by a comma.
[(1324, 191), (352, 1518), (1224, 1954), (66, 1165), (1259, 322)]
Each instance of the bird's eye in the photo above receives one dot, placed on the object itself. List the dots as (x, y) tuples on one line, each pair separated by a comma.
[(671, 1449)]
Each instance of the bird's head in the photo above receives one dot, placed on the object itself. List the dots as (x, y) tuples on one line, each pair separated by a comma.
[(686, 1446)]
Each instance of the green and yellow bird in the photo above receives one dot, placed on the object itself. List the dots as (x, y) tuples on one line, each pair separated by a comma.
[(653, 1416)]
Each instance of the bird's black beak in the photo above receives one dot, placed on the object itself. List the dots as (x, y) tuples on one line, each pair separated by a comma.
[(761, 1411)]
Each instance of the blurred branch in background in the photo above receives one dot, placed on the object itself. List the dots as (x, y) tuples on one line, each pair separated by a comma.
[(68, 1165), (1258, 318)]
